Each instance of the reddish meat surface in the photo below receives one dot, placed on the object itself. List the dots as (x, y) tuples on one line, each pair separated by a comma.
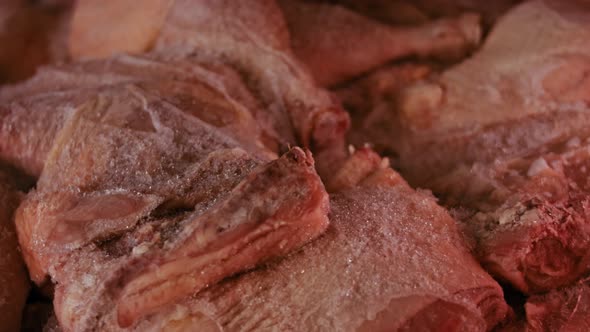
[(252, 37), (518, 95), (527, 188), (399, 266), (501, 138), (170, 195), (338, 44), (506, 100), (14, 284), (160, 171), (157, 174), (118, 281), (560, 310), (529, 216)]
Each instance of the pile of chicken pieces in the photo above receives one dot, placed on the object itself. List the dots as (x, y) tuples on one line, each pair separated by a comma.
[(294, 165)]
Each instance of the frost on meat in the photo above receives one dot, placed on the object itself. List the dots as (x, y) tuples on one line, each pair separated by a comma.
[(135, 175), (252, 37), (338, 44), (501, 138), (391, 260)]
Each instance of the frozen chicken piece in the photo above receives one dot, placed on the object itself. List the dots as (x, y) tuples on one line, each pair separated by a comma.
[(158, 173), (529, 216), (338, 44), (520, 93), (251, 37), (113, 284), (502, 139), (391, 260)]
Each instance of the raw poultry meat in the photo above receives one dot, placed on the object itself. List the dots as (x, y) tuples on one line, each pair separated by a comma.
[(14, 283), (518, 159), (399, 266), (170, 197), (120, 280), (32, 33), (528, 215), (199, 88), (501, 138), (251, 37), (522, 92), (156, 174), (338, 44), (371, 100), (355, 169), (561, 310)]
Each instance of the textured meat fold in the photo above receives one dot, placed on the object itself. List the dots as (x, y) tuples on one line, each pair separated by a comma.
[(169, 195), (502, 139), (338, 44), (273, 210), (162, 175), (276, 209), (227, 103), (520, 93), (528, 215), (560, 310), (251, 37), (399, 266)]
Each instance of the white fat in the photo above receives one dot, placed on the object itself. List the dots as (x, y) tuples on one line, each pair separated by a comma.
[(140, 249), (351, 149), (574, 142), (420, 97), (88, 280), (180, 312), (537, 167), (509, 215)]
